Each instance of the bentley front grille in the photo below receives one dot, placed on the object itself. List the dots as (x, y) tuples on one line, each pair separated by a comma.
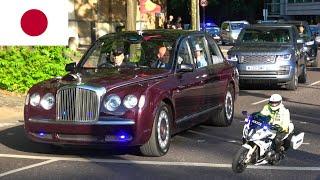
[(257, 59), (76, 104)]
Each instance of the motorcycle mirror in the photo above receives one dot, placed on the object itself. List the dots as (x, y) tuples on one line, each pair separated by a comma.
[(245, 113)]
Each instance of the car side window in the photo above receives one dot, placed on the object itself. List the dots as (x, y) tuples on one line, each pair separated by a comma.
[(199, 51), (184, 55), (224, 26), (214, 51), (94, 58)]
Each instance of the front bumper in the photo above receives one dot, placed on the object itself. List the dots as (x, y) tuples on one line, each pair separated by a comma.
[(108, 130), (273, 73)]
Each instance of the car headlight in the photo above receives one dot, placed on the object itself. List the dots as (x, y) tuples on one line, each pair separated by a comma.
[(232, 58), (285, 57), (112, 102), (309, 43), (35, 99), (234, 36), (130, 101), (47, 101), (26, 102)]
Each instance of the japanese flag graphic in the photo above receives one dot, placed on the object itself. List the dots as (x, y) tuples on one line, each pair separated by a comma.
[(34, 22)]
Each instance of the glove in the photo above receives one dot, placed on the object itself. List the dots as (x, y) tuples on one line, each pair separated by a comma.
[(276, 127)]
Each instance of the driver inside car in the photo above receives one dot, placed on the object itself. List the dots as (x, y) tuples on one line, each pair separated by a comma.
[(279, 117)]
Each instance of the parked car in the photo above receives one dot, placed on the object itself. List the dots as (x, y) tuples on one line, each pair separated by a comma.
[(270, 53), (315, 30), (305, 32), (137, 103), (230, 31)]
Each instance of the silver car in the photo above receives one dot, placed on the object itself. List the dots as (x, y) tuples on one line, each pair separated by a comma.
[(270, 54), (230, 31)]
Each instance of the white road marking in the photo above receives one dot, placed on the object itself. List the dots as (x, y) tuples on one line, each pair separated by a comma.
[(259, 102), (155, 163), (317, 82), (27, 167), (306, 143), (303, 122), (232, 141)]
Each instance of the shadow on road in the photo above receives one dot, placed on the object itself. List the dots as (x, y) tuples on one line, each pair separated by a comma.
[(16, 139)]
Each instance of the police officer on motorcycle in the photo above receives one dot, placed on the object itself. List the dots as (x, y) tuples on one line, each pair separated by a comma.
[(279, 118)]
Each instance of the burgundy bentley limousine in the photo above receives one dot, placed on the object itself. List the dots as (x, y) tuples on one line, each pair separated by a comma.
[(133, 89)]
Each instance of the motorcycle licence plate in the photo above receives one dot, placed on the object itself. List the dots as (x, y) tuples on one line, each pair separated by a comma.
[(256, 68)]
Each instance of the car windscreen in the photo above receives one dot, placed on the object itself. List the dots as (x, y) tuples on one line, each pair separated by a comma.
[(213, 30), (263, 35), (131, 50), (235, 26)]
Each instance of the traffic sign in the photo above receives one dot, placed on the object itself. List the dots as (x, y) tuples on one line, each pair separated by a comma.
[(203, 3)]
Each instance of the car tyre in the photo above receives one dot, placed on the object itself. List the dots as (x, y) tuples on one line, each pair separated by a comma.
[(303, 77), (316, 61), (224, 115), (293, 83), (159, 141)]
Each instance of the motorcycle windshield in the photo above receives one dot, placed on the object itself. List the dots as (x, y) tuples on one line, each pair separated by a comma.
[(258, 122)]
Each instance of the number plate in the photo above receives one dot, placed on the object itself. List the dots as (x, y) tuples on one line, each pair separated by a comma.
[(256, 68)]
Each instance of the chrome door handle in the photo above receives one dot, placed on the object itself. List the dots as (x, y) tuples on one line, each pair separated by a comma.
[(204, 75)]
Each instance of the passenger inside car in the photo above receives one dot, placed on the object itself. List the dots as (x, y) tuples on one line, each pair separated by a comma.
[(199, 57), (163, 58)]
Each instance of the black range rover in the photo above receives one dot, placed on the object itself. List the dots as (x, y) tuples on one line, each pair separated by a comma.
[(270, 53), (309, 39)]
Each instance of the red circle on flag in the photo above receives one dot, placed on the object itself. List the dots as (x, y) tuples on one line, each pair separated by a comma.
[(34, 22)]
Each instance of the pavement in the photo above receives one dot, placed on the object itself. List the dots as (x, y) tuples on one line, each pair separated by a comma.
[(11, 106)]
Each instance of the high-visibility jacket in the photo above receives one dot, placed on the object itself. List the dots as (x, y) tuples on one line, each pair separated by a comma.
[(280, 116)]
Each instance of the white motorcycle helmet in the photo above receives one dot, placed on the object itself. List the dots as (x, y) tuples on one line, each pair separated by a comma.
[(275, 102)]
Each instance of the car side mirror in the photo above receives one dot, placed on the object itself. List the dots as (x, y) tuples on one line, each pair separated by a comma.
[(227, 30), (300, 41), (245, 113), (70, 67), (185, 68)]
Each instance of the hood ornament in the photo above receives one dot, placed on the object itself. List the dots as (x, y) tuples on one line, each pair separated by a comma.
[(77, 77)]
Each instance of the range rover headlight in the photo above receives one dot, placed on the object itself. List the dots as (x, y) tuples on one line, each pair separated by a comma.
[(310, 43), (35, 99), (232, 58), (112, 102), (130, 101), (47, 101), (285, 57)]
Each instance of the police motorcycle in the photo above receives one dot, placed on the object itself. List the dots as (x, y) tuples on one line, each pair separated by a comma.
[(258, 147)]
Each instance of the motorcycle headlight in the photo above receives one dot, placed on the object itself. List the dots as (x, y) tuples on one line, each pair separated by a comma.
[(35, 99), (130, 101), (285, 57), (47, 101), (232, 58), (112, 102)]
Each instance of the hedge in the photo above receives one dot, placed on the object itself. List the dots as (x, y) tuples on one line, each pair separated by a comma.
[(22, 67)]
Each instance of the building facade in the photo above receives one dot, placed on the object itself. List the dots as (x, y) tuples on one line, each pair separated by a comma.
[(90, 19), (308, 10)]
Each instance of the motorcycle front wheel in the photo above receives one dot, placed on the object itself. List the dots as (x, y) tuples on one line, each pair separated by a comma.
[(238, 164)]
